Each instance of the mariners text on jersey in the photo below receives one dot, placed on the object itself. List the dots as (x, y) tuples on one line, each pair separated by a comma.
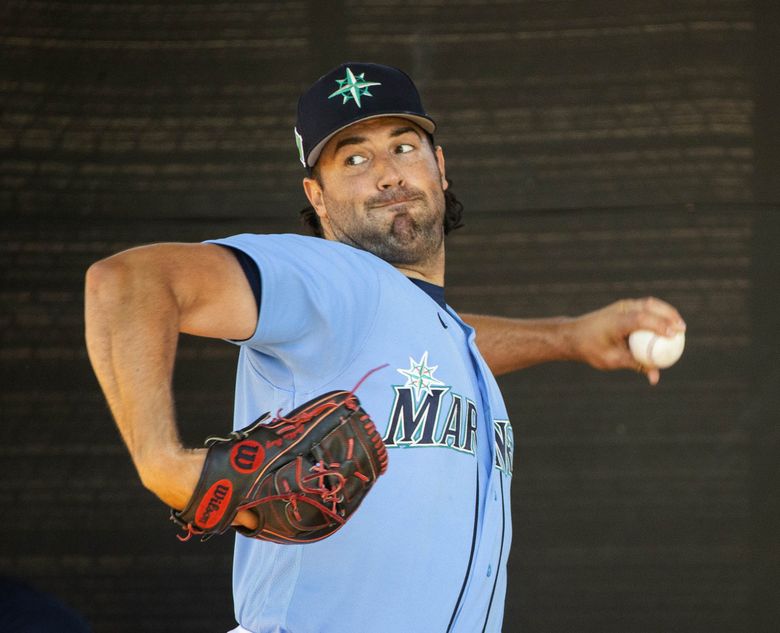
[(426, 413)]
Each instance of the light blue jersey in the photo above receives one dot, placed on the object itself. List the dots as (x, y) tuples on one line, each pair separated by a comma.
[(427, 550)]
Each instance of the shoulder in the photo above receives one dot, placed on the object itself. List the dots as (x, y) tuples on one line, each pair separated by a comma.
[(285, 251), (295, 244)]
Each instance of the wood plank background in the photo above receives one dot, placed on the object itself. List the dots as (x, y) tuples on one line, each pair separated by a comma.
[(602, 150)]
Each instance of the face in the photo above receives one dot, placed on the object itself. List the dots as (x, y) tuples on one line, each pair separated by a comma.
[(380, 188)]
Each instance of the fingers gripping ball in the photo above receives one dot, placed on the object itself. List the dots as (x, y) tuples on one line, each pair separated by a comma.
[(653, 350), (303, 474)]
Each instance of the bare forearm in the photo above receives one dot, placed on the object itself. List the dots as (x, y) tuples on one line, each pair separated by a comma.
[(598, 338), (511, 344), (132, 327)]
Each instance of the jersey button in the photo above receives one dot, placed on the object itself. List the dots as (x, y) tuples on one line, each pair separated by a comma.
[(490, 571)]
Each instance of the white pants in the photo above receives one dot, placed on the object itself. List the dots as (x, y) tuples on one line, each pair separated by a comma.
[(239, 629)]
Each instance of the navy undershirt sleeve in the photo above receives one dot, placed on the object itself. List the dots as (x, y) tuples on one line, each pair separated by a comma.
[(252, 272)]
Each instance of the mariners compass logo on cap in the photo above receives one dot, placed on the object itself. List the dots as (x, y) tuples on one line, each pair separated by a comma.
[(367, 91), (353, 87)]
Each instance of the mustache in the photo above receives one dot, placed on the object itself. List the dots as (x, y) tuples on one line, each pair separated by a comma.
[(401, 194)]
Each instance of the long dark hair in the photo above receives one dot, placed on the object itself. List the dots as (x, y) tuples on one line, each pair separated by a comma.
[(453, 214)]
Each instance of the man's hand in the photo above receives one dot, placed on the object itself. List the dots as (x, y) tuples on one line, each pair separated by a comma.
[(600, 338), (173, 476), (172, 473)]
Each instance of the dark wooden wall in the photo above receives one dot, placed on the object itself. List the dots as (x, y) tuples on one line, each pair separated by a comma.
[(602, 149)]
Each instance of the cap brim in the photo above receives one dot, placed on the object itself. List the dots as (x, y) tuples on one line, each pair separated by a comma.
[(426, 124)]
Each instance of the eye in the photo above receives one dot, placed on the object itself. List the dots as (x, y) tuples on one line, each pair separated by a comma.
[(404, 148), (355, 159)]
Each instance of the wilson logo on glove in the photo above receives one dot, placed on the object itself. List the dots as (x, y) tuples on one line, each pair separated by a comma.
[(247, 456), (214, 503), (302, 474)]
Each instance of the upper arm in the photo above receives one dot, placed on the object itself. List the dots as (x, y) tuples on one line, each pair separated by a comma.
[(209, 287)]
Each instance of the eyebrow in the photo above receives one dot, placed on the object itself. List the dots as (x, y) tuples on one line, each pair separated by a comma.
[(403, 130), (349, 140), (357, 140)]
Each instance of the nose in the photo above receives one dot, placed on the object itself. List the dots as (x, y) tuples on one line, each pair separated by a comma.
[(389, 174)]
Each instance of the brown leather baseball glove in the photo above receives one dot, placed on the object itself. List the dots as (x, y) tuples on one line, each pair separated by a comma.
[(303, 474)]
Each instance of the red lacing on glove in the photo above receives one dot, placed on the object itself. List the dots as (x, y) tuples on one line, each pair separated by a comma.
[(349, 402), (329, 496), (368, 373), (189, 532)]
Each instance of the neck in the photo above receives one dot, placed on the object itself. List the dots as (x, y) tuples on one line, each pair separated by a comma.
[(431, 271)]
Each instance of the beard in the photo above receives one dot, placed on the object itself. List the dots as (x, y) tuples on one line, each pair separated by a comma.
[(411, 231)]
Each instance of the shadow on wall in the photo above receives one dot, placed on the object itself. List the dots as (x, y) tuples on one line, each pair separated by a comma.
[(24, 609)]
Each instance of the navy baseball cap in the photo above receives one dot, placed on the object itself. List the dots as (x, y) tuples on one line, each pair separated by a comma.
[(350, 93)]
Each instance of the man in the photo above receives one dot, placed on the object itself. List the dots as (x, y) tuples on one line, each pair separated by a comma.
[(427, 550)]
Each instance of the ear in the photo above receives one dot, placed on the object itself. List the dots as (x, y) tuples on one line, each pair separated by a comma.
[(442, 169), (313, 191)]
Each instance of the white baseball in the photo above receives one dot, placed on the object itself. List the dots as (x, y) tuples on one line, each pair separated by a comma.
[(653, 350)]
